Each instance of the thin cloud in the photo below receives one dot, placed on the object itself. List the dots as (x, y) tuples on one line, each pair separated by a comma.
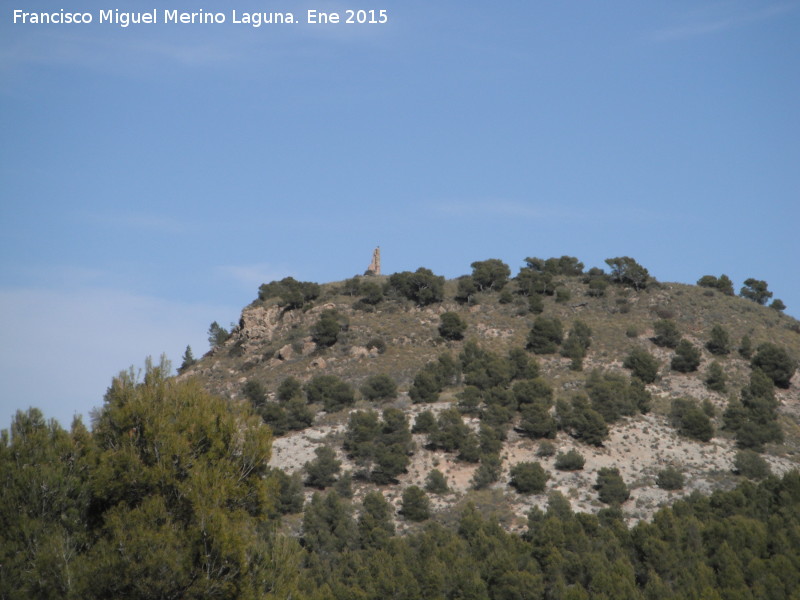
[(722, 23), (251, 276)]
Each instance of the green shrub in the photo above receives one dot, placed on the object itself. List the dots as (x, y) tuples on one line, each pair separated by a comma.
[(255, 392), (491, 274), (666, 334), (570, 461), (749, 464), (467, 290), (415, 505), (452, 326), (545, 335), (436, 483), (321, 472), (642, 365), (776, 364), (379, 387), (217, 335), (469, 399), (719, 342), (626, 271), (715, 377), (291, 293), (421, 287), (546, 449), (755, 290), (528, 477), (535, 304), (325, 332), (487, 472), (746, 347), (686, 359), (289, 388), (330, 391), (670, 479), (691, 420), (424, 423), (611, 488)]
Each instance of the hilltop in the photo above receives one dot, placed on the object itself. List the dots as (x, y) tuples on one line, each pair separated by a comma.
[(448, 349)]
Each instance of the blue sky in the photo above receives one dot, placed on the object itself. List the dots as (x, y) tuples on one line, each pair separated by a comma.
[(151, 177)]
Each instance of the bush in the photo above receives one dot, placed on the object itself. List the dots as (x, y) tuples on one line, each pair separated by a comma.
[(469, 400), (583, 422), (719, 342), (255, 392), (436, 483), (467, 289), (452, 326), (686, 359), (577, 344), (290, 492), (778, 305), (545, 335), (371, 293), (379, 387), (424, 423), (325, 332), (691, 420), (217, 335), (421, 287), (626, 271), (611, 488), (330, 391), (487, 472), (642, 365), (755, 290), (723, 283), (535, 304), (746, 347), (321, 472), (666, 333), (546, 449), (528, 477), (415, 505), (614, 395), (776, 364), (536, 421), (715, 377), (670, 479), (570, 461), (491, 274), (749, 464), (289, 388), (291, 293)]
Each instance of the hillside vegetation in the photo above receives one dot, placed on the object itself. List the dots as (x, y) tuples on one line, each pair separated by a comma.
[(559, 434), (624, 371)]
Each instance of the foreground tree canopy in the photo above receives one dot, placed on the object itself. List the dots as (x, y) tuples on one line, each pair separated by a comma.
[(167, 497)]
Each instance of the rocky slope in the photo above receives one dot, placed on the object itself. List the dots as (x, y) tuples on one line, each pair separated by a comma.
[(398, 338)]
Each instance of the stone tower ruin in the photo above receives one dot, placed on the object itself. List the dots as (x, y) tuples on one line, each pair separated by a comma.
[(374, 267)]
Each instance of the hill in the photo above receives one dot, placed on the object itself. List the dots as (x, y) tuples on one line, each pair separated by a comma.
[(352, 331)]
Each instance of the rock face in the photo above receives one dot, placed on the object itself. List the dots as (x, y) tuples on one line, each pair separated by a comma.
[(261, 322)]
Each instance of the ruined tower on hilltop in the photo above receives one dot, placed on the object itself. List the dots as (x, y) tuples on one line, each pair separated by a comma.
[(374, 267)]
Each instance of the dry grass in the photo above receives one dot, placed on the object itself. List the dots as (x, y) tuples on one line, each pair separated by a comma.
[(279, 347)]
